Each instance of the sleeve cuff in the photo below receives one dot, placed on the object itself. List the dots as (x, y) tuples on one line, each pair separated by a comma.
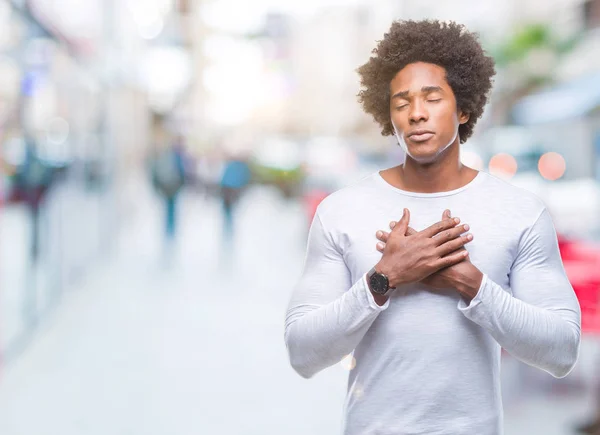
[(478, 299), (370, 298)]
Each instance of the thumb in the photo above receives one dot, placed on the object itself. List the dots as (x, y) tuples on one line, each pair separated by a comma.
[(402, 224), (446, 214)]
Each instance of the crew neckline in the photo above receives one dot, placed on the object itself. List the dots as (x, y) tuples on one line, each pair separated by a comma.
[(471, 183)]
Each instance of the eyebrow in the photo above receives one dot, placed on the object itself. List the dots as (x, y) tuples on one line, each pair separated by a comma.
[(424, 89)]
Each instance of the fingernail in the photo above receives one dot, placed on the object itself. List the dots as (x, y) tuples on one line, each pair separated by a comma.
[(457, 220), (467, 227), (392, 224), (380, 245), (449, 213), (379, 233), (469, 236)]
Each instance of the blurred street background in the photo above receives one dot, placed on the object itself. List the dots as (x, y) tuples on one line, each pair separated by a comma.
[(160, 164)]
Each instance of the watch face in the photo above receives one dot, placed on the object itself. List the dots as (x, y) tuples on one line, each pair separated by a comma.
[(379, 283)]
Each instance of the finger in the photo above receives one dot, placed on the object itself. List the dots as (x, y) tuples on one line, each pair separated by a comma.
[(446, 214), (452, 259), (402, 224), (451, 234), (409, 232), (380, 247), (453, 245), (438, 227), (382, 235)]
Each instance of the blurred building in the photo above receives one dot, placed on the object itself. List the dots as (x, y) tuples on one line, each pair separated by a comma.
[(81, 82), (562, 115)]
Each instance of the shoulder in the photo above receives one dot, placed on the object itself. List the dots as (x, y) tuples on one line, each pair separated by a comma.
[(347, 201), (511, 200)]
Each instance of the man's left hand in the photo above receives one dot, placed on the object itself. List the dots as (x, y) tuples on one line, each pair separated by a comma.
[(463, 276)]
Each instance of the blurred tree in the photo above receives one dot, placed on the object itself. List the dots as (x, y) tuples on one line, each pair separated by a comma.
[(527, 60), (531, 37)]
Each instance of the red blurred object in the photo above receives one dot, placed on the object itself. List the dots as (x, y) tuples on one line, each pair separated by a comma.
[(582, 264), (312, 199)]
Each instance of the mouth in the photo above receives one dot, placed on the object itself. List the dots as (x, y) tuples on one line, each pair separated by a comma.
[(420, 135)]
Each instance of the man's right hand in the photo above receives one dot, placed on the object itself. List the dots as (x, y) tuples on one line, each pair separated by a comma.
[(411, 258)]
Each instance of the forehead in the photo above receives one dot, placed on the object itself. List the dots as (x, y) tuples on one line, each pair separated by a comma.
[(416, 75)]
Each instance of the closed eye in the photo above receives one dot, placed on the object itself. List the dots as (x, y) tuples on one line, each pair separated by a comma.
[(435, 101)]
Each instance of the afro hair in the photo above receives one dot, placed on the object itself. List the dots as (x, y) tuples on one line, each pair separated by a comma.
[(469, 70)]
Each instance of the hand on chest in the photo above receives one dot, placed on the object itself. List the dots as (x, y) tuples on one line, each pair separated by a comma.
[(492, 249)]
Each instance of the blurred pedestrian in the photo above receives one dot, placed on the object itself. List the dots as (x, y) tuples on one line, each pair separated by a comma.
[(168, 178), (32, 181), (235, 178), (421, 315)]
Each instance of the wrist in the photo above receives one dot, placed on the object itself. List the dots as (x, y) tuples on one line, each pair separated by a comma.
[(378, 285), (469, 284), (387, 270), (379, 299)]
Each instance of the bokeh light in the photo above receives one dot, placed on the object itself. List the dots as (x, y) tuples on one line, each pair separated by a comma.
[(349, 362), (503, 165), (57, 130), (552, 166), (358, 391), (471, 159), (152, 29)]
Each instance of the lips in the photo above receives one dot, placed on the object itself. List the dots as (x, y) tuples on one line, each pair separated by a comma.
[(420, 135)]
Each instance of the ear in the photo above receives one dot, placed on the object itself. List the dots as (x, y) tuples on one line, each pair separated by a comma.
[(463, 118)]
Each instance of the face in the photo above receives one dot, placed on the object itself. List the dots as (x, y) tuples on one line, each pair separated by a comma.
[(424, 112)]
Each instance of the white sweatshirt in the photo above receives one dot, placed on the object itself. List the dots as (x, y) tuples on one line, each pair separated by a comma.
[(426, 362)]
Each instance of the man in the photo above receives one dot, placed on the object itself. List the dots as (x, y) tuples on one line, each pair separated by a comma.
[(426, 320), (235, 179), (168, 177)]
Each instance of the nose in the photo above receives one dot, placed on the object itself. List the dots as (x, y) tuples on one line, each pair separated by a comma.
[(417, 112)]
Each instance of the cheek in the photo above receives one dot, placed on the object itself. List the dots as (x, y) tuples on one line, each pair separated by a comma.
[(397, 117), (398, 122), (448, 126), (450, 119)]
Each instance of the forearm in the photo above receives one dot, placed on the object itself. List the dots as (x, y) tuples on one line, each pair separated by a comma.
[(320, 336), (544, 337)]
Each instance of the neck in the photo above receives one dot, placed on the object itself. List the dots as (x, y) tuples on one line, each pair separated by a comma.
[(444, 174)]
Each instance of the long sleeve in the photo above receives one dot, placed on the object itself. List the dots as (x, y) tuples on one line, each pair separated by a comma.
[(540, 322), (327, 315)]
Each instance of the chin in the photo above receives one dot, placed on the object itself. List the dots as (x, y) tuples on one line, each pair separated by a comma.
[(425, 152), (424, 160), (425, 157)]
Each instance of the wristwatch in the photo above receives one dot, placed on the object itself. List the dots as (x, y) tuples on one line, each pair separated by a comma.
[(378, 282)]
